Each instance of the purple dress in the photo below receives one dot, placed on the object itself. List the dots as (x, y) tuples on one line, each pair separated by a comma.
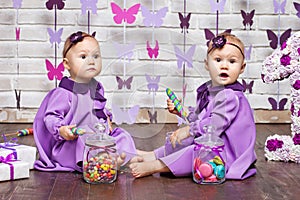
[(72, 103), (229, 111)]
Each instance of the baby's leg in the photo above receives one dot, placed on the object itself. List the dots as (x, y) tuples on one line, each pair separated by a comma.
[(147, 168)]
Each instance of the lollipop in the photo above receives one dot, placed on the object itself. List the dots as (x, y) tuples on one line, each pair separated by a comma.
[(176, 102), (77, 131), (23, 132)]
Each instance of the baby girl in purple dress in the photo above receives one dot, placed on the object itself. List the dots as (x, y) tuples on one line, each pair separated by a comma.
[(78, 100), (220, 102)]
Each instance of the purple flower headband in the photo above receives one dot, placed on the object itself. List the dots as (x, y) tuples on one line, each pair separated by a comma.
[(77, 37), (219, 41)]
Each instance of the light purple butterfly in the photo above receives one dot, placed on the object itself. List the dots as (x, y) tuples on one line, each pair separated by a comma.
[(55, 36), (152, 117), (297, 7), (17, 4), (124, 83), (152, 83), (248, 86), (124, 51), (124, 115), (152, 18), (217, 6), (277, 106), (279, 7), (248, 52), (184, 57), (88, 5)]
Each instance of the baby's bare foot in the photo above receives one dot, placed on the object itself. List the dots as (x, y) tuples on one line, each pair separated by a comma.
[(137, 159), (142, 169)]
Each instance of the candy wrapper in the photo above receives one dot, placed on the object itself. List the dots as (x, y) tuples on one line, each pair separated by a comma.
[(23, 152), (11, 169)]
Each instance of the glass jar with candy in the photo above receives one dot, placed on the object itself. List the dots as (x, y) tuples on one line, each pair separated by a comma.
[(100, 159), (209, 160)]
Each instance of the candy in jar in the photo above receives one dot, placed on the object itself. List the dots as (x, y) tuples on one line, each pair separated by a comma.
[(100, 159), (209, 163)]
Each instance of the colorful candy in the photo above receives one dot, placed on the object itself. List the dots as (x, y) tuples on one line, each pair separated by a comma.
[(24, 132), (77, 131), (176, 102)]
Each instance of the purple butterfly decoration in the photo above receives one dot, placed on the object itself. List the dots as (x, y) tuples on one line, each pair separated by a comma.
[(248, 18), (18, 98), (153, 19), (274, 38), (18, 31), (277, 106), (217, 6), (124, 115), (17, 4), (297, 7), (185, 57), (153, 52), (152, 83), (248, 86), (248, 52), (51, 3), (124, 51), (152, 117), (184, 21), (279, 7), (209, 35), (124, 83), (88, 5), (54, 71), (55, 36)]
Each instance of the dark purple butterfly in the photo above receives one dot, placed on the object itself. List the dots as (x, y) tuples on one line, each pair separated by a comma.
[(210, 35), (51, 3), (18, 98), (277, 106), (248, 18), (124, 83), (297, 7), (152, 117), (274, 38), (184, 21), (248, 86), (152, 83)]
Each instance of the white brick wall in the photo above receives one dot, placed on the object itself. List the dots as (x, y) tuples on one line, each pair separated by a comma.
[(34, 47)]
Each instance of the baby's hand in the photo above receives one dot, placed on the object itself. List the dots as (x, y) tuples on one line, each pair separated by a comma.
[(171, 108), (66, 133)]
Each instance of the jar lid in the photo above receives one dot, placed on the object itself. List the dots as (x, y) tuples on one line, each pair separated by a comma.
[(100, 140), (209, 138)]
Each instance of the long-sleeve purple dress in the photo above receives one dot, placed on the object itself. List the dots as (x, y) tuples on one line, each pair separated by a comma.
[(229, 111), (72, 103)]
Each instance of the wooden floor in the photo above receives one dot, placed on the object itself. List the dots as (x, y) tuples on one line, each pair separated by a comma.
[(274, 180)]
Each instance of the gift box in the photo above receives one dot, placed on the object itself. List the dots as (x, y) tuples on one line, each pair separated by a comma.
[(11, 169), (23, 153)]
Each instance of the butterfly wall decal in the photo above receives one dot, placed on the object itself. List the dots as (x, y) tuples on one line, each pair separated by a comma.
[(184, 21), (209, 35), (88, 5), (55, 36), (124, 83), (18, 31), (54, 72), (124, 115), (277, 105), (274, 38), (152, 83), (152, 117), (297, 7), (124, 51), (153, 52), (17, 4), (248, 52), (184, 58), (152, 18), (248, 86), (279, 7), (124, 15), (247, 18), (217, 5), (18, 99), (51, 3)]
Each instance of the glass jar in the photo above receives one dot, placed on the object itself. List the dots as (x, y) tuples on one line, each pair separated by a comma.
[(100, 159), (209, 162)]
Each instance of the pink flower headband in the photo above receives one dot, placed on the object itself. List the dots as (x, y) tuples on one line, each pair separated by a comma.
[(220, 41)]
